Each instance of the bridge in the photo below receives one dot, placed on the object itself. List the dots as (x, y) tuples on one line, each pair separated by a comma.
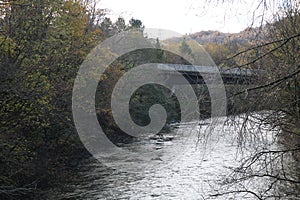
[(194, 74)]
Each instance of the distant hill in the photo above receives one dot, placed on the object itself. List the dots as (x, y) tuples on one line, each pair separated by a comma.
[(216, 37), (218, 45), (247, 36)]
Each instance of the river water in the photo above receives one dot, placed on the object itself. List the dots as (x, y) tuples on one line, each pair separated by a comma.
[(193, 163)]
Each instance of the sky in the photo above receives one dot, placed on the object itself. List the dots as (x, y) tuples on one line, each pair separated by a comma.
[(189, 16)]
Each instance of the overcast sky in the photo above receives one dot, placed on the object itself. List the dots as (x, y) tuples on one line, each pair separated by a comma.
[(187, 16)]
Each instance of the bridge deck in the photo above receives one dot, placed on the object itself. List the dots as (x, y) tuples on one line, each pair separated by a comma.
[(194, 73)]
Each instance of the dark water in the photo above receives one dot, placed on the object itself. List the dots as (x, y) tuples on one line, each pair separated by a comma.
[(190, 166)]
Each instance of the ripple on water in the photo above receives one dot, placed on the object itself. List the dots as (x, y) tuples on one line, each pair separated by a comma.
[(182, 168)]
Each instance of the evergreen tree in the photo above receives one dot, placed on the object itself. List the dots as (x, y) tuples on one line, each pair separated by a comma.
[(185, 48)]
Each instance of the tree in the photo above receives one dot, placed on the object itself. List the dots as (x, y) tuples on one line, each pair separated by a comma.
[(136, 23), (42, 44), (185, 48), (277, 90), (120, 25), (160, 53), (107, 27)]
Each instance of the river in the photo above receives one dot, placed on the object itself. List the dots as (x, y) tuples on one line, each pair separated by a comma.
[(184, 166)]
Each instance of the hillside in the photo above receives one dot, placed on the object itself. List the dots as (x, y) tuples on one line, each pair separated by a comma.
[(217, 37), (221, 46), (246, 36)]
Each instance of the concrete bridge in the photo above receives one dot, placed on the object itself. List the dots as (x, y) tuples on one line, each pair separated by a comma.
[(194, 74)]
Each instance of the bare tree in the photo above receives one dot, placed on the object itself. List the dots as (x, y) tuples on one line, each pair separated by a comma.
[(274, 102)]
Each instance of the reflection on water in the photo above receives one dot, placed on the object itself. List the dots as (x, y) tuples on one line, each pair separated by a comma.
[(187, 166)]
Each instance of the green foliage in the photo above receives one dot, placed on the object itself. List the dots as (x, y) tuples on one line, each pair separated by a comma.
[(149, 95), (135, 23)]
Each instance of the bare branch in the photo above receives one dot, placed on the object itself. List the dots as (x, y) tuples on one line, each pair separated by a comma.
[(276, 82), (284, 40)]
